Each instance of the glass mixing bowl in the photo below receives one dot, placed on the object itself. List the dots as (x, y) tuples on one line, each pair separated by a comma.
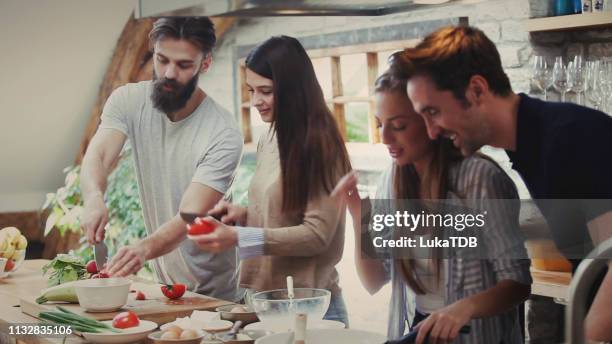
[(274, 306)]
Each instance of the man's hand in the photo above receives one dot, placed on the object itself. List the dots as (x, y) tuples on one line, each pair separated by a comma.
[(346, 192), (229, 213), (95, 218), (444, 324), (223, 238), (128, 260)]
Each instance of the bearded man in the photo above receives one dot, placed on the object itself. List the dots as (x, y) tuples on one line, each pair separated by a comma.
[(186, 149)]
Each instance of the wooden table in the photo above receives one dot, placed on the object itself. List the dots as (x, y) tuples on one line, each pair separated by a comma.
[(27, 283)]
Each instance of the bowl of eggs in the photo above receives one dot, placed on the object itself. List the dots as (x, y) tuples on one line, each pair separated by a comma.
[(237, 312), (177, 335)]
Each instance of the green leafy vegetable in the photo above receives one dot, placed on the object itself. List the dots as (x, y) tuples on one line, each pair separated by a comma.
[(64, 268)]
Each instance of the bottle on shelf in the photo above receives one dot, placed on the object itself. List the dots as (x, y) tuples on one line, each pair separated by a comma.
[(564, 7)]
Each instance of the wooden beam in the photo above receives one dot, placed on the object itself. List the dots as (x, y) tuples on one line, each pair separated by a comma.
[(222, 25), (125, 66), (245, 108), (372, 59), (336, 79)]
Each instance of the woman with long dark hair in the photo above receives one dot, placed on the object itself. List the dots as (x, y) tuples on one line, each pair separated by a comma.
[(291, 225), (440, 293)]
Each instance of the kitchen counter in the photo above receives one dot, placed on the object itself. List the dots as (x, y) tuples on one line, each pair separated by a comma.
[(27, 282), (551, 284)]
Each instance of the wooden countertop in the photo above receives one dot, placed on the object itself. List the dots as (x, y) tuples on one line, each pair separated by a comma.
[(551, 283), (28, 281)]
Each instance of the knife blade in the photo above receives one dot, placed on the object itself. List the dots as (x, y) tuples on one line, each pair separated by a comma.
[(100, 254), (190, 217)]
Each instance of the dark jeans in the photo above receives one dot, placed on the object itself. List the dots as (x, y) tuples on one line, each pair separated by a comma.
[(337, 310)]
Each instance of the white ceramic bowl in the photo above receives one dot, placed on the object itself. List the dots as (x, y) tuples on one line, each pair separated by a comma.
[(2, 265), (274, 306), (17, 258), (129, 335), (156, 338), (327, 336), (102, 294)]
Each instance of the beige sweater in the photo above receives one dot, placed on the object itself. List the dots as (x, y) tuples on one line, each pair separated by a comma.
[(307, 246)]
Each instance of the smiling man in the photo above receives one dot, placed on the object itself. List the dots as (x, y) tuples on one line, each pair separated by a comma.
[(186, 148), (561, 150)]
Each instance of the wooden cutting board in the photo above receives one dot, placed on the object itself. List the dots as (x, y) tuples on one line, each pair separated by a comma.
[(155, 308)]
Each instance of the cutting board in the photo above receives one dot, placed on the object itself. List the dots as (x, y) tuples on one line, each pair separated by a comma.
[(156, 307)]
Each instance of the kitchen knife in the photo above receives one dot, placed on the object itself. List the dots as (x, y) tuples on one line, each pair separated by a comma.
[(190, 217), (100, 254)]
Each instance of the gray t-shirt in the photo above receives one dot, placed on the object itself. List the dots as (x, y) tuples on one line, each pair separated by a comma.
[(204, 148)]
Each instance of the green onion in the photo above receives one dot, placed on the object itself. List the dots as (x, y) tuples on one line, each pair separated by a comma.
[(80, 323)]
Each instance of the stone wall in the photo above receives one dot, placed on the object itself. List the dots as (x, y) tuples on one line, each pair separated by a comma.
[(501, 20)]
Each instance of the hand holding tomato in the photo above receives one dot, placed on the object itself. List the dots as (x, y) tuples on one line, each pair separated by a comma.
[(201, 226), (126, 320), (173, 291), (223, 237)]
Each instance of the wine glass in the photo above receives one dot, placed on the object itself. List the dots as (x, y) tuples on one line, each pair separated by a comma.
[(559, 77), (606, 85), (593, 84), (541, 74), (575, 79)]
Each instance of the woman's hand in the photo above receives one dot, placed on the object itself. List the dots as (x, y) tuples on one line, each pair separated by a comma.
[(346, 192), (223, 237), (229, 213), (444, 324)]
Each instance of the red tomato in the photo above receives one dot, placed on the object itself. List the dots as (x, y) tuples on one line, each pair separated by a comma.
[(200, 226), (126, 320), (10, 264), (140, 295), (91, 267), (173, 291), (101, 275)]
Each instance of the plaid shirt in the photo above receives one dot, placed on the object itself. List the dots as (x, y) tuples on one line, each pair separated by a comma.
[(475, 178)]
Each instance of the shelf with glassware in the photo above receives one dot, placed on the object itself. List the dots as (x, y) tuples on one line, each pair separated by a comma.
[(582, 21), (590, 81)]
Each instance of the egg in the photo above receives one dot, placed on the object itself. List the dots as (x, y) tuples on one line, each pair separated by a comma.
[(189, 334), (169, 335), (238, 309), (175, 329)]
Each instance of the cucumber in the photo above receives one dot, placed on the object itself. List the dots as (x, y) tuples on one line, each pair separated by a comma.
[(63, 292)]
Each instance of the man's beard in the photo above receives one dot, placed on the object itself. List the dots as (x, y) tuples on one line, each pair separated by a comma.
[(175, 99)]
